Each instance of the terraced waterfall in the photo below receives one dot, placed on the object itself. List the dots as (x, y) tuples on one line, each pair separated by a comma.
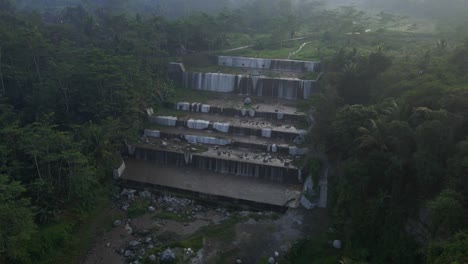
[(244, 154)]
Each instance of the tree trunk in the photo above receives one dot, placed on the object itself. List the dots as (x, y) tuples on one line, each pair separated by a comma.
[(65, 96), (1, 73), (37, 166)]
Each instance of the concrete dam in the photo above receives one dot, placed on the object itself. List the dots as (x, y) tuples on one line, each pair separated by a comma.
[(244, 153)]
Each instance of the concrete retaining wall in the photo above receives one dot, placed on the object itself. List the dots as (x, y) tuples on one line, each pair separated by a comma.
[(269, 64)]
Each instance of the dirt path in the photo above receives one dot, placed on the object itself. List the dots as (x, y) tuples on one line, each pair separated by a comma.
[(298, 50)]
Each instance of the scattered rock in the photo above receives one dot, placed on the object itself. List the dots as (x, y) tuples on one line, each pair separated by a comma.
[(128, 229), (134, 244), (128, 253), (145, 194), (152, 258), (238, 261), (167, 256), (148, 239), (117, 223), (337, 244), (108, 244)]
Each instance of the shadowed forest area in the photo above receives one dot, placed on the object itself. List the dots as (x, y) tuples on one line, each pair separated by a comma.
[(391, 115)]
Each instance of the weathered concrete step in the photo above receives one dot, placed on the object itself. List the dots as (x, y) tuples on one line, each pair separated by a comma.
[(212, 185), (251, 111), (270, 64), (209, 137), (234, 126), (269, 166), (242, 120)]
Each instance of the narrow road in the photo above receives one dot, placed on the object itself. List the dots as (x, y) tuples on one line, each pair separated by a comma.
[(249, 46), (298, 50)]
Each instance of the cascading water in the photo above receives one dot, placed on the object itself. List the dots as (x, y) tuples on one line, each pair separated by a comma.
[(165, 120), (152, 133), (216, 82), (184, 106), (268, 64), (249, 85), (197, 124), (221, 127), (266, 132), (207, 140), (263, 171)]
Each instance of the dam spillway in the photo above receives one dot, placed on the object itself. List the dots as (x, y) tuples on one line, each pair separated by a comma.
[(269, 64), (245, 152), (288, 88)]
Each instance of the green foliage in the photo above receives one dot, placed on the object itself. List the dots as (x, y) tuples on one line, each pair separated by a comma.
[(446, 213), (311, 251), (399, 160), (49, 238), (138, 208), (16, 221), (451, 251)]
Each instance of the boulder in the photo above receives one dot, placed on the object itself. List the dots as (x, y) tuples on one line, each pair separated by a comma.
[(337, 244), (271, 260), (117, 223), (151, 209), (276, 254), (134, 244), (247, 101), (145, 194), (128, 229), (238, 261), (152, 258), (128, 253), (167, 256)]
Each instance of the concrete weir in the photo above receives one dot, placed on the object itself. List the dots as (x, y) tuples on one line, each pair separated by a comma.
[(243, 153), (289, 88), (236, 163), (213, 186), (270, 64)]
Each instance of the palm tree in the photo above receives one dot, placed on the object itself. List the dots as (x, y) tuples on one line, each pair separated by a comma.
[(371, 136)]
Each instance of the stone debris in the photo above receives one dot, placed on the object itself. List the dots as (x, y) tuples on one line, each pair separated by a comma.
[(128, 253), (128, 229), (117, 223), (337, 244), (135, 244), (167, 256)]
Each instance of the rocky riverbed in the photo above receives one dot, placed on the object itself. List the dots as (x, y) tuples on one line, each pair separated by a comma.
[(145, 227)]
